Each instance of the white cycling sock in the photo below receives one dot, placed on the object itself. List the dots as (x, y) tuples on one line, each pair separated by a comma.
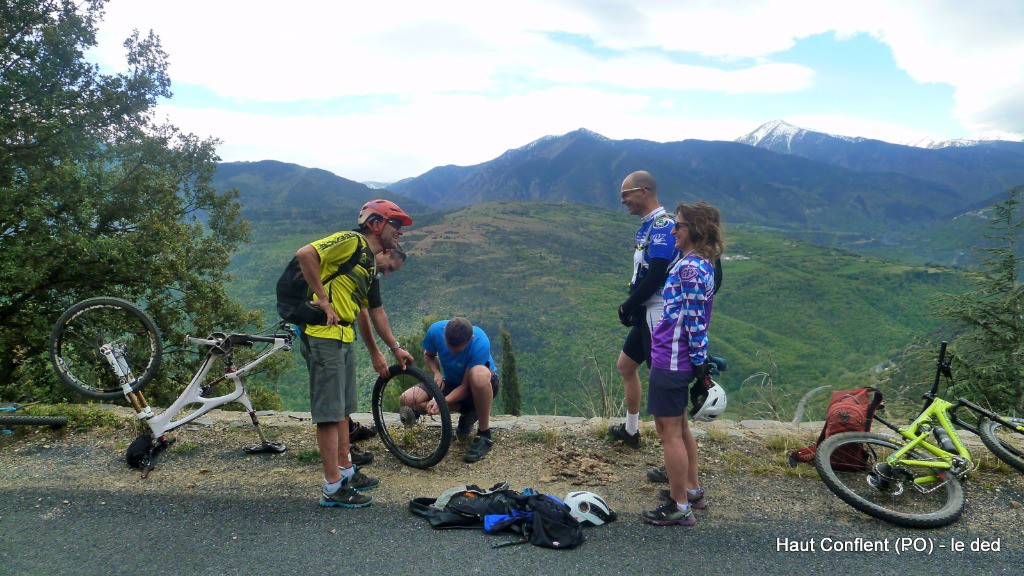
[(632, 422), (684, 507), (347, 472), (693, 492), (331, 487)]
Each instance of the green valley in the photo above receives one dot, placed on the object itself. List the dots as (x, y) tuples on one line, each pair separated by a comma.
[(552, 274)]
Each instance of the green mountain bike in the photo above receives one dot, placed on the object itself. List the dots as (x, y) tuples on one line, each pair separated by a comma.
[(914, 479)]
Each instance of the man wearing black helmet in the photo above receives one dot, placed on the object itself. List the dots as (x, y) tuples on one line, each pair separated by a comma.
[(327, 349)]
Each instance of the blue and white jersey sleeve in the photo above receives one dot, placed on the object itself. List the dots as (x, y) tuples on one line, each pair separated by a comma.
[(680, 340), (662, 244)]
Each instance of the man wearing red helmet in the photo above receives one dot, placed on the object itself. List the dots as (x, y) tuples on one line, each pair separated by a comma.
[(328, 350)]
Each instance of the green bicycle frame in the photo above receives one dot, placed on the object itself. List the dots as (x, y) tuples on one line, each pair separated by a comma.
[(938, 412)]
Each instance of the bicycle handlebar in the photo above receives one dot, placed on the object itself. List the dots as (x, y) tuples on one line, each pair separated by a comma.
[(941, 366), (233, 339)]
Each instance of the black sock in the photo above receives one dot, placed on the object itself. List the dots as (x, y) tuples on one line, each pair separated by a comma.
[(484, 433)]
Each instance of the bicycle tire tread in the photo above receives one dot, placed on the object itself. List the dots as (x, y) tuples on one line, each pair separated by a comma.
[(987, 432), (446, 432), (28, 420), (822, 462)]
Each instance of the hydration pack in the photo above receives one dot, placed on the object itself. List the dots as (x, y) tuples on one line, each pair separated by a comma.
[(848, 411), (294, 296), (541, 519)]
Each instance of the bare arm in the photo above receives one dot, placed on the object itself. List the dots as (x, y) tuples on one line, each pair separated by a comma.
[(431, 359), (309, 263), (383, 328), (377, 358)]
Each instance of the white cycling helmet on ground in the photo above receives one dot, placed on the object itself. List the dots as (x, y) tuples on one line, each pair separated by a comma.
[(589, 508), (708, 403)]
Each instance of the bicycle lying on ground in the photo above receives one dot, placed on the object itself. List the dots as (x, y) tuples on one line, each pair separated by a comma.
[(7, 418), (910, 480), (105, 348)]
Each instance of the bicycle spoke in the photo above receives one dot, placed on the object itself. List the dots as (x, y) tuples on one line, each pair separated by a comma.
[(83, 331), (415, 438), (905, 494)]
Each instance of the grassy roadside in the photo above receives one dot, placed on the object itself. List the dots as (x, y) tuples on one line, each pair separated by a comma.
[(743, 468)]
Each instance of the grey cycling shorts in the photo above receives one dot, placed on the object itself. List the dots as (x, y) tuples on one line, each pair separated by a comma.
[(332, 378)]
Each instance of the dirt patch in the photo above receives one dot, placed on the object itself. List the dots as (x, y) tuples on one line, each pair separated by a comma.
[(581, 468)]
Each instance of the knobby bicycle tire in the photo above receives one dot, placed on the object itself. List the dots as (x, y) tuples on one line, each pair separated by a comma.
[(80, 332), (421, 441), (891, 496), (1006, 443), (26, 420)]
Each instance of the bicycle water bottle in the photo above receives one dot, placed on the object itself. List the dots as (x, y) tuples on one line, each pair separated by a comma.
[(944, 440)]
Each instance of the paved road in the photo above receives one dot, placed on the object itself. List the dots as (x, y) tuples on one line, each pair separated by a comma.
[(89, 532)]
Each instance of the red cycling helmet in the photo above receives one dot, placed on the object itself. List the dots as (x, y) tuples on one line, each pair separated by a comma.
[(385, 209)]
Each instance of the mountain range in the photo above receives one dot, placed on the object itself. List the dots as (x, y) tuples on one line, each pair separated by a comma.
[(839, 191), (975, 170), (534, 242)]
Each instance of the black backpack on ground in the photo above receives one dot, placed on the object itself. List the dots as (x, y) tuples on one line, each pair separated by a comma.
[(543, 520)]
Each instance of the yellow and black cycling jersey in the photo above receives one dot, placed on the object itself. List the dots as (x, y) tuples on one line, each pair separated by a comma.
[(348, 292)]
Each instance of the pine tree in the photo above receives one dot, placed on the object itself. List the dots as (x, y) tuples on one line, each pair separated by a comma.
[(511, 400), (992, 346)]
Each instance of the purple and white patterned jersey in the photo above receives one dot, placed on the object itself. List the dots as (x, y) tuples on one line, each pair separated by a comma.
[(680, 340)]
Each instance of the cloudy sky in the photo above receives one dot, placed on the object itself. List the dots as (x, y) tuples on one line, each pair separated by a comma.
[(379, 91)]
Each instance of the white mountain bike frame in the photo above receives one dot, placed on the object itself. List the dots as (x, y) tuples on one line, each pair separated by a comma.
[(221, 347)]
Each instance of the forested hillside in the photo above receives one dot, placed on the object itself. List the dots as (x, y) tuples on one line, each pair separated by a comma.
[(553, 275)]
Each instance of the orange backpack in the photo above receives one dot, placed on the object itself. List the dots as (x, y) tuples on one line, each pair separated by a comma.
[(848, 411)]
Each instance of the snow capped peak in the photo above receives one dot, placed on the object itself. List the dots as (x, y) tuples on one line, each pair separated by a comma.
[(779, 135), (591, 133), (981, 139), (772, 134), (775, 129)]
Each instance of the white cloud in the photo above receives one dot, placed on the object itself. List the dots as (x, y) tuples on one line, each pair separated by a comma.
[(454, 81), (978, 49)]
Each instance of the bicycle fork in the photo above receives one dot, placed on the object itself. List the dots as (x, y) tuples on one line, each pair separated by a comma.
[(115, 357)]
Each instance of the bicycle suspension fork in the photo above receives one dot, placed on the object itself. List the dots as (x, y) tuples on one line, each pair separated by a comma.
[(115, 357)]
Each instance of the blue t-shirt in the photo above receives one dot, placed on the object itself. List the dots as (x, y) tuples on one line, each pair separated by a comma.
[(477, 353)]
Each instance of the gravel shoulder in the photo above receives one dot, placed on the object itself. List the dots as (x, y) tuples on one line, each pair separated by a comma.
[(742, 468)]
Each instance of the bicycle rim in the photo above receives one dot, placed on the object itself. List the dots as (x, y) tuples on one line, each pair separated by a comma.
[(77, 338), (1005, 442), (421, 441), (889, 493)]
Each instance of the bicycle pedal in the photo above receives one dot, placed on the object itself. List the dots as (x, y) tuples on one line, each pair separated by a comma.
[(265, 448)]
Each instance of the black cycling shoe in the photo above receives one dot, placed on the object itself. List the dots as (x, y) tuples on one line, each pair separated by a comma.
[(478, 449), (357, 431), (658, 475), (618, 432)]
